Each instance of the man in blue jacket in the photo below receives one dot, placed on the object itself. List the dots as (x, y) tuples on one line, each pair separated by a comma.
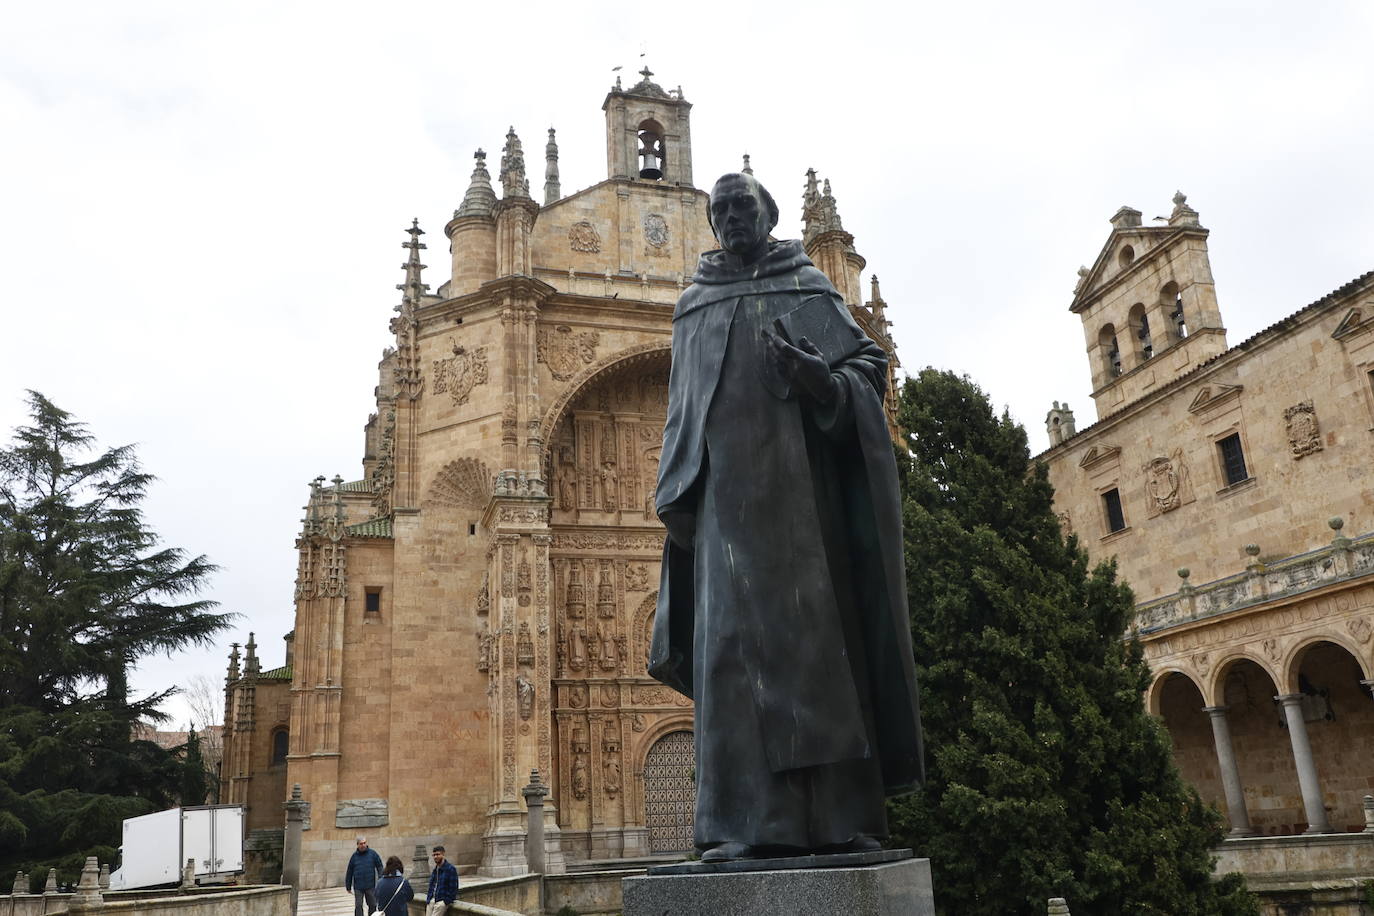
[(443, 885), (361, 877)]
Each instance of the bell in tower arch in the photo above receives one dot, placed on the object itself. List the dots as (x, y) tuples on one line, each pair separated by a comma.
[(651, 158)]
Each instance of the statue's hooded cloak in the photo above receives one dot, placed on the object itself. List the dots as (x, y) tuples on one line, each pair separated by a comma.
[(813, 596)]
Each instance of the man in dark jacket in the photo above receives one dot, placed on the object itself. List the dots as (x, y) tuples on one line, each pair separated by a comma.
[(443, 884), (782, 608), (361, 877)]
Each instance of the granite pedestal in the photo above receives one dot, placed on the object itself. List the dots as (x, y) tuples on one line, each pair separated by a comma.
[(886, 883)]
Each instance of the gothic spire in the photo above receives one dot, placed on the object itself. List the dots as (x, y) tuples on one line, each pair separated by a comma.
[(233, 662), (513, 180), (748, 169), (876, 303), (480, 198), (413, 289), (551, 189), (250, 660)]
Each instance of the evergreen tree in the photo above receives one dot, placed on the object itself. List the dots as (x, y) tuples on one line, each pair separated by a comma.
[(195, 781), (85, 591), (1046, 775)]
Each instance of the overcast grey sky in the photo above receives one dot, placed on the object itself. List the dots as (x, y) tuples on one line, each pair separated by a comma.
[(201, 208)]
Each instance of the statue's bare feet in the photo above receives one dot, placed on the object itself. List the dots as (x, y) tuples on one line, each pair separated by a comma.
[(725, 852)]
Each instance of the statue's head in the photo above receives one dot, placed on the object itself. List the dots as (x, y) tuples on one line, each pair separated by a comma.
[(742, 213)]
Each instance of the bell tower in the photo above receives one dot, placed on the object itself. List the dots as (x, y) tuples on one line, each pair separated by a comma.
[(648, 133)]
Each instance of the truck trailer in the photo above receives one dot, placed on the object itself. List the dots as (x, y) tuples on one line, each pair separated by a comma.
[(157, 845)]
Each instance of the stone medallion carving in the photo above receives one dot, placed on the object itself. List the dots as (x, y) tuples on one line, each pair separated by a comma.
[(1304, 437), (1360, 628), (565, 352), (656, 230), (460, 373), (582, 236), (463, 483)]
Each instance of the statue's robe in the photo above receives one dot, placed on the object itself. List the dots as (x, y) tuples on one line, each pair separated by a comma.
[(786, 620)]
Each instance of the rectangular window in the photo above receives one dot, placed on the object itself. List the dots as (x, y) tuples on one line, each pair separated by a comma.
[(1111, 501), (1232, 460), (372, 600)]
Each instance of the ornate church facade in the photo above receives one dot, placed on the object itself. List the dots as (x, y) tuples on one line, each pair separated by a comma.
[(478, 603), (1234, 485)]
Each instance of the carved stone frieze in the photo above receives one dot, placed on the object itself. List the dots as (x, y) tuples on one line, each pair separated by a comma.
[(608, 540), (458, 374), (1304, 436), (649, 695)]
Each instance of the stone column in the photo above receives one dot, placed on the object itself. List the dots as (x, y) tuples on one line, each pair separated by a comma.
[(419, 869), (534, 832), (1230, 772), (291, 844), (1307, 767)]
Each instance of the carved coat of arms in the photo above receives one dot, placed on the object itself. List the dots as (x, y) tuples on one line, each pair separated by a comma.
[(1162, 484), (582, 236), (656, 230), (1304, 437), (565, 352), (461, 372)]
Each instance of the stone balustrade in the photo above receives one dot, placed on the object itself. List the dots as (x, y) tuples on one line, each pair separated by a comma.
[(1343, 559)]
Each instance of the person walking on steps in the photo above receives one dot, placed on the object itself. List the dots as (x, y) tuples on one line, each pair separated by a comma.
[(361, 877)]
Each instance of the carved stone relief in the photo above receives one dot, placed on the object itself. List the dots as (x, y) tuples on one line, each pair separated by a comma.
[(565, 352), (524, 652), (656, 230), (1304, 436), (637, 577), (464, 483), (1166, 483), (582, 236), (524, 693), (460, 373)]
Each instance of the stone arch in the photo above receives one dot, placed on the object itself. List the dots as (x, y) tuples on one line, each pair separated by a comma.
[(642, 628), (1292, 662), (1182, 709), (643, 355), (1152, 693), (1216, 686), (1246, 686), (463, 483)]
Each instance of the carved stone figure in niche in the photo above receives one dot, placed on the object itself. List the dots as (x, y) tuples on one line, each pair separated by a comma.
[(637, 722), (577, 648), (636, 577), (484, 643), (1304, 437), (524, 651), (610, 696), (582, 236), (1166, 483), (524, 696), (484, 596), (581, 782), (577, 696), (802, 723), (609, 652), (650, 480), (567, 488), (610, 774), (610, 482), (605, 593), (577, 592)]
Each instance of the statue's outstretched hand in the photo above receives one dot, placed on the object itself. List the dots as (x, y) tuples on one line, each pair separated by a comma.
[(803, 365)]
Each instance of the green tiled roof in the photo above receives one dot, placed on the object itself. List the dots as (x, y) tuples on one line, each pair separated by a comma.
[(277, 674), (376, 528), (356, 486)]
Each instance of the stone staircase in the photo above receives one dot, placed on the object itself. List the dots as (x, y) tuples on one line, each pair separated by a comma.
[(330, 901)]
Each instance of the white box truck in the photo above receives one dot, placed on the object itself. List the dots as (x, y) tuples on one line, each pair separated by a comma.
[(156, 846)]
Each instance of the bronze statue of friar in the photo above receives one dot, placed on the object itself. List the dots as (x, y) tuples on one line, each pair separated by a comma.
[(782, 608)]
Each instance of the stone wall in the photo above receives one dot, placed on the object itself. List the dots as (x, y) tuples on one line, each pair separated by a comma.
[(272, 900)]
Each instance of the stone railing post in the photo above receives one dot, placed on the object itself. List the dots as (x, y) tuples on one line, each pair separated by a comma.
[(51, 886), (88, 897), (291, 844), (21, 884), (188, 876), (1059, 907), (419, 869), (534, 831), (105, 877), (1369, 814)]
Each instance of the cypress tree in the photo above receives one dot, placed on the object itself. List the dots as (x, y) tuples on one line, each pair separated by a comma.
[(1046, 775), (195, 783)]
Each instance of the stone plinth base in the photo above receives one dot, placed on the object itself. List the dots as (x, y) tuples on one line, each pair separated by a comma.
[(888, 883)]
